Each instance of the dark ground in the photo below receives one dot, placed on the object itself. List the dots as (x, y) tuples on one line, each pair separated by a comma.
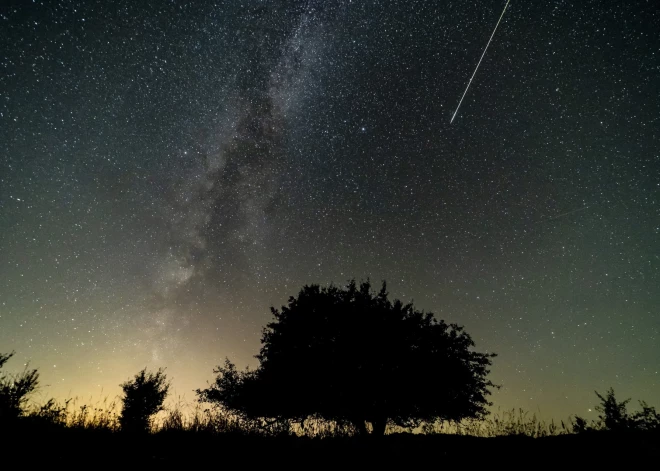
[(80, 449)]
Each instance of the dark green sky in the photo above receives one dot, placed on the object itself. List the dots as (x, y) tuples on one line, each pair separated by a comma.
[(168, 172)]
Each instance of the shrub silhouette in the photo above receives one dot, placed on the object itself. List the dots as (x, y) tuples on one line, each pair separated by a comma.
[(579, 425), (613, 414), (647, 418), (15, 390), (143, 398), (351, 355)]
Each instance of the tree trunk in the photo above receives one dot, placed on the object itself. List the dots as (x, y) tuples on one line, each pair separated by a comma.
[(379, 426)]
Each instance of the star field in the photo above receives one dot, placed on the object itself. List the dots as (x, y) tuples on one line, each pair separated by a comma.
[(170, 170)]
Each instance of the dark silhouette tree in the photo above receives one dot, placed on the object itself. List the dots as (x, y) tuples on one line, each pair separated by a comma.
[(143, 398), (15, 390), (647, 418), (613, 414), (351, 355)]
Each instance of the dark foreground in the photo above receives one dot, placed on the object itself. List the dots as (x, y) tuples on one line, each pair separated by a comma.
[(84, 449)]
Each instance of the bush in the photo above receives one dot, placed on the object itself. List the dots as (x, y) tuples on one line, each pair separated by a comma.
[(143, 398), (15, 390), (614, 416)]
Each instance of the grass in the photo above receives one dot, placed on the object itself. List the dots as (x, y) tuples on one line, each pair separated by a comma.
[(186, 417), (73, 414), (189, 434), (182, 416), (503, 423)]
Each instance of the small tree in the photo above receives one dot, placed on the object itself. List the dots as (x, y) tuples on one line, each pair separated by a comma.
[(351, 355), (647, 418), (143, 398), (613, 414), (15, 390)]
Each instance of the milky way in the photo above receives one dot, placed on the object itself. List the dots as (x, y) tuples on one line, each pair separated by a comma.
[(169, 171)]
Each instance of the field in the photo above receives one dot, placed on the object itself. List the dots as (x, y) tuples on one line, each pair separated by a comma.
[(88, 437)]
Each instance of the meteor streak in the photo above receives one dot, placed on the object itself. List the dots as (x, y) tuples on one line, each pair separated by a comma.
[(567, 213), (479, 63)]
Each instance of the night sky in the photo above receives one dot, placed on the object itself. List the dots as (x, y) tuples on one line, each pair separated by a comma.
[(169, 170)]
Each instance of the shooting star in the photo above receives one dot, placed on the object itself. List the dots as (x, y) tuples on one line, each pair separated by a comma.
[(558, 216), (567, 213), (479, 63)]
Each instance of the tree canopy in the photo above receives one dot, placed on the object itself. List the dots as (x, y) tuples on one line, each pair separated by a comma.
[(143, 397), (349, 354)]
